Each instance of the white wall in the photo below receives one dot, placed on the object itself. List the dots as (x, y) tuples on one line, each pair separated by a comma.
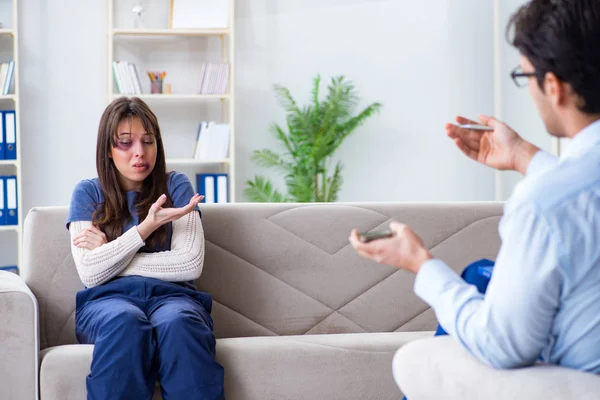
[(414, 57), (426, 61), (517, 108), (62, 95)]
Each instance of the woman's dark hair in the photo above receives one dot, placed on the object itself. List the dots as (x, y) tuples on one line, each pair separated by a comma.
[(562, 37), (114, 212)]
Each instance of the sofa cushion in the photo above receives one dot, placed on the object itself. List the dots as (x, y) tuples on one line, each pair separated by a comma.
[(334, 366), (282, 269), (439, 367)]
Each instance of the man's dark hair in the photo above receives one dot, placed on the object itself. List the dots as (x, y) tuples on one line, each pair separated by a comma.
[(563, 37)]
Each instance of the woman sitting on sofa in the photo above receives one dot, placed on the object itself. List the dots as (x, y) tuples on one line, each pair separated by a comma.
[(138, 245)]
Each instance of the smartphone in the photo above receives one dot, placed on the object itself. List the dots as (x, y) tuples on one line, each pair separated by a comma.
[(367, 237), (476, 127)]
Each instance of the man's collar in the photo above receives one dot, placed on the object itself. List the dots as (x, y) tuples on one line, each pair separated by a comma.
[(583, 141)]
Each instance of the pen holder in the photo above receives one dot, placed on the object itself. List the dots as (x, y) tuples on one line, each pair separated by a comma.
[(156, 86)]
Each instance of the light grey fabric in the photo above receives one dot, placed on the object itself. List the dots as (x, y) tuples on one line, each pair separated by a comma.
[(439, 368), (299, 314), (63, 372), (333, 367), (18, 339), (291, 266), (344, 367)]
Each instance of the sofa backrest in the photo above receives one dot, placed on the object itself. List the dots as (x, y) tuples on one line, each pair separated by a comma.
[(282, 269)]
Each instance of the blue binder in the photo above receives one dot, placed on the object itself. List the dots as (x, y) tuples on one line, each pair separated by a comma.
[(2, 138), (9, 123), (10, 268), (2, 201), (214, 187), (10, 199)]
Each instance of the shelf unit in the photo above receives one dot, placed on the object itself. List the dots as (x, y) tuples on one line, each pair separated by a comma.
[(14, 163), (118, 35), (11, 102), (171, 32), (170, 97)]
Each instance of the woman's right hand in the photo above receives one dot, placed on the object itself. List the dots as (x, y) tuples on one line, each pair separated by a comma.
[(501, 148), (158, 216)]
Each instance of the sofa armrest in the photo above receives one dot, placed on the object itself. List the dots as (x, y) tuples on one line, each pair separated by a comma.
[(19, 346), (436, 368)]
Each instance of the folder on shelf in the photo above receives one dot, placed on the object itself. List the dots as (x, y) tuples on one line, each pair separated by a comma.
[(10, 196), (2, 139), (222, 188), (10, 268), (206, 187), (212, 141), (202, 128), (214, 187), (120, 88), (202, 150), (2, 201), (9, 78), (10, 130), (3, 75)]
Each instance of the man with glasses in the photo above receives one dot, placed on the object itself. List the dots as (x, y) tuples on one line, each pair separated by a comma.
[(543, 300)]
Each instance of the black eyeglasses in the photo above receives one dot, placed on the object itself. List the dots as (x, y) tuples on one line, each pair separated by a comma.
[(521, 78)]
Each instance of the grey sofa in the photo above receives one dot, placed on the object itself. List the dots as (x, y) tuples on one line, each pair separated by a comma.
[(298, 315)]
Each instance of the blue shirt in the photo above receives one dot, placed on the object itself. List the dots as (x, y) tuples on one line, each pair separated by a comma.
[(88, 196), (543, 301)]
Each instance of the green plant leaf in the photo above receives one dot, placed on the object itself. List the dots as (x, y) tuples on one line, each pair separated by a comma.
[(284, 97), (336, 136), (268, 158), (282, 137), (335, 183), (315, 93), (300, 186), (261, 191)]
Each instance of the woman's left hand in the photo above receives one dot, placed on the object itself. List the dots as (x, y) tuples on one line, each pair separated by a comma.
[(404, 250), (90, 238)]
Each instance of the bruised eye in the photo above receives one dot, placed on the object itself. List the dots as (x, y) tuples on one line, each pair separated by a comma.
[(125, 143)]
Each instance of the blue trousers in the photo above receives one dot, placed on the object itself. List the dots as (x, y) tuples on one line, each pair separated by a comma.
[(479, 274), (145, 329)]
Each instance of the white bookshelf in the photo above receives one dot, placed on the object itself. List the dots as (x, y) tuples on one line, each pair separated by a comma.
[(170, 32), (151, 48), (175, 97), (191, 161), (11, 235)]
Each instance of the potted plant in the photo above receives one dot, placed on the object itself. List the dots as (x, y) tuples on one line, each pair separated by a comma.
[(312, 135)]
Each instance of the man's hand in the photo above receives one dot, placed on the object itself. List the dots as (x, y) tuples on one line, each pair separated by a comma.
[(90, 238), (404, 250), (158, 216), (501, 148)]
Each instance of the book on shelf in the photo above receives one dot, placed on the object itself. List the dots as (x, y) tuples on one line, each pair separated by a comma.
[(126, 78), (6, 76), (212, 141), (214, 78)]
